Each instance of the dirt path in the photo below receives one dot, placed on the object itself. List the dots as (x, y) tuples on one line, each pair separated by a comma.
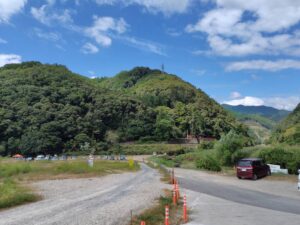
[(95, 201)]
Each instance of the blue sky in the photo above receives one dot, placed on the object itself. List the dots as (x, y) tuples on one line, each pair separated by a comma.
[(238, 52)]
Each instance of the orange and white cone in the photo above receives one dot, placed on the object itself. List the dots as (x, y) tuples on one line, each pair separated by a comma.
[(167, 215), (185, 218)]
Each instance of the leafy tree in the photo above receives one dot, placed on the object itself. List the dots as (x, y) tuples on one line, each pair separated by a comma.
[(227, 146)]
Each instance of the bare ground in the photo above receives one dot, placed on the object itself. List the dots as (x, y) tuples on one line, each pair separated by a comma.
[(89, 201)]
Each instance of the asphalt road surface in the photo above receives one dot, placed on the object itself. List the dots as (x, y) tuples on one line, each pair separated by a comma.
[(93, 201), (215, 199), (243, 196)]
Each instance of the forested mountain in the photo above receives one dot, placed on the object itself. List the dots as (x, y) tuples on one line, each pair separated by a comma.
[(288, 130), (265, 111), (48, 109), (260, 119)]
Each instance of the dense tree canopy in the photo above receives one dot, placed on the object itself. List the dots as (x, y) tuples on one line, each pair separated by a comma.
[(48, 109)]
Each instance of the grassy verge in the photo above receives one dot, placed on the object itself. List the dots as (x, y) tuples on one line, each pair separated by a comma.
[(160, 148), (13, 194), (13, 175), (60, 169), (156, 214)]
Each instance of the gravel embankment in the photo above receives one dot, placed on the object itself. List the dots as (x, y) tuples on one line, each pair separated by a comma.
[(92, 201)]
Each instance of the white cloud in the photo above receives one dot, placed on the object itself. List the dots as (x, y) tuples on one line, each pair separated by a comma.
[(9, 58), (144, 45), (89, 48), (263, 65), (198, 72), (46, 15), (287, 103), (173, 32), (104, 27), (238, 28), (247, 101), (235, 94), (2, 41), (10, 7), (50, 36), (167, 7)]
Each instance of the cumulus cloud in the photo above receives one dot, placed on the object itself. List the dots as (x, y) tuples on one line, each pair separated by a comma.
[(9, 8), (247, 101), (239, 28), (287, 103), (9, 58), (2, 41), (103, 27), (263, 65), (235, 94), (167, 7), (144, 45), (50, 36), (47, 15), (89, 48)]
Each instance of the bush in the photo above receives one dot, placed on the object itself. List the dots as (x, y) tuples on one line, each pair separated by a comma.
[(227, 146), (206, 145), (12, 194), (286, 157), (208, 162)]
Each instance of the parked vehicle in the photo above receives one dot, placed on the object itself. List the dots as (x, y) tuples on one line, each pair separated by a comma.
[(122, 157), (39, 157), (252, 168), (29, 159)]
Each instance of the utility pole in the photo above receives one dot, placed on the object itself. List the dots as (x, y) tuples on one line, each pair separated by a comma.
[(163, 68)]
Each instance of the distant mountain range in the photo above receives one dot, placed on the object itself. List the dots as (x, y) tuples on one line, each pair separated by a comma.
[(260, 119), (265, 111)]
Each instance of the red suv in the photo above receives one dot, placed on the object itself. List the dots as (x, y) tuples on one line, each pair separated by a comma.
[(252, 168)]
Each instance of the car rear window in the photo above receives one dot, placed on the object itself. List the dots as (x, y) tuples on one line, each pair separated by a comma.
[(244, 163)]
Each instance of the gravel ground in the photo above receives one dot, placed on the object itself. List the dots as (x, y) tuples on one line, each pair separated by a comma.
[(94, 201)]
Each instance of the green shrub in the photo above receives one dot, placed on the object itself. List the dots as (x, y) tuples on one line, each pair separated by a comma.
[(227, 146), (12, 194), (285, 156), (208, 162), (206, 145), (12, 169)]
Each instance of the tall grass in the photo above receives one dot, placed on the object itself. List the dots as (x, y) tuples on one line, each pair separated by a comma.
[(48, 168), (13, 194)]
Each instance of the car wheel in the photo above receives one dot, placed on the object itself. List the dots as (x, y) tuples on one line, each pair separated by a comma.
[(254, 177), (239, 177)]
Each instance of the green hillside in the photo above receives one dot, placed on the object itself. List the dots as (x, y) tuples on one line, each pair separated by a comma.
[(48, 109), (263, 111), (288, 130)]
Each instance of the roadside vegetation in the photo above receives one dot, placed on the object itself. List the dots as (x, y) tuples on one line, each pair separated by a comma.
[(224, 154), (15, 175), (156, 214), (158, 148)]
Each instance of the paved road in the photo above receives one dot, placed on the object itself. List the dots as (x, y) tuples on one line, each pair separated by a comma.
[(94, 201), (243, 196)]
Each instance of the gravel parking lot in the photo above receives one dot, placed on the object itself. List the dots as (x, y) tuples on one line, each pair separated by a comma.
[(94, 201)]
